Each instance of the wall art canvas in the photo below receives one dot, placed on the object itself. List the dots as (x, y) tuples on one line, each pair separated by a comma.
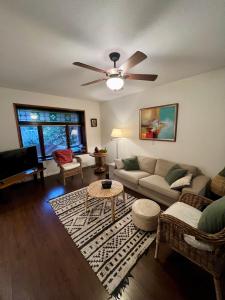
[(159, 123)]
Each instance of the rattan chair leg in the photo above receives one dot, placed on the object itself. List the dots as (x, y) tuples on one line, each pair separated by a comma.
[(218, 289)]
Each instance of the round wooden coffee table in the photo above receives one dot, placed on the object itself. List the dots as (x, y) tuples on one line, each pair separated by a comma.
[(95, 190)]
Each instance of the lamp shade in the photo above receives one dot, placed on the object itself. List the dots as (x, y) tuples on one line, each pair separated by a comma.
[(115, 83), (117, 133)]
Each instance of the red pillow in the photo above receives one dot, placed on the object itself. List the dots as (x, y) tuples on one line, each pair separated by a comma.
[(64, 156)]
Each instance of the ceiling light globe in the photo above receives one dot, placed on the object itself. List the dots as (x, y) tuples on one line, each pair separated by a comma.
[(115, 83)]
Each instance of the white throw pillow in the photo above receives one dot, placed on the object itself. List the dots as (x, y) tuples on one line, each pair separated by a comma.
[(182, 182), (119, 163)]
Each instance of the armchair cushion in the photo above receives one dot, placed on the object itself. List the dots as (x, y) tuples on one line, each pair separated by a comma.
[(72, 165), (184, 212), (213, 217), (189, 215)]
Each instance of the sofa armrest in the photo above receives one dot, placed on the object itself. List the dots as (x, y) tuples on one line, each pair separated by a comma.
[(198, 185), (112, 167)]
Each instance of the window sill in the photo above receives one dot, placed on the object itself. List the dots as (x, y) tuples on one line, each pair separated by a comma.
[(40, 160)]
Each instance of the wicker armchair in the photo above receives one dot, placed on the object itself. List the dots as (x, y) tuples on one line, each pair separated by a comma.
[(173, 231), (70, 169)]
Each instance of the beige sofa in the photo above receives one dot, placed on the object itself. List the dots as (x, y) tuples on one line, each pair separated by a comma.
[(149, 180)]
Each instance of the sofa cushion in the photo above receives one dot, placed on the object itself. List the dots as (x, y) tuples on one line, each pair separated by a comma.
[(163, 166), (147, 164), (189, 215), (131, 176), (158, 184)]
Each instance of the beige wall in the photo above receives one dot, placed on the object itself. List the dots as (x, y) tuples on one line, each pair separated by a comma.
[(8, 131), (200, 131), (201, 122)]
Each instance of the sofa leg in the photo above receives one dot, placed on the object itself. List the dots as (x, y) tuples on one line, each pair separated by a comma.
[(218, 289), (157, 241)]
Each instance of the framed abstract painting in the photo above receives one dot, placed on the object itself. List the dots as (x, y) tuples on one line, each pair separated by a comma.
[(159, 123)]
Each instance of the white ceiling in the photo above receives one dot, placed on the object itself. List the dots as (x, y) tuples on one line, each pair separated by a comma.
[(39, 40)]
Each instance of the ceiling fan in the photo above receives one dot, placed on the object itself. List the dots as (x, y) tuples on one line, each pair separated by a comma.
[(115, 76)]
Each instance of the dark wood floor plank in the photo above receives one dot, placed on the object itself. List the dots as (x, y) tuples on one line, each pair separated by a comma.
[(39, 260)]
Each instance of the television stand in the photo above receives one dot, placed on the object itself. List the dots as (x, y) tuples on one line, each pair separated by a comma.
[(23, 175)]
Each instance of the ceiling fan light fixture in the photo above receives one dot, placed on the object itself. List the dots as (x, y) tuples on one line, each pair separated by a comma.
[(116, 76), (115, 83)]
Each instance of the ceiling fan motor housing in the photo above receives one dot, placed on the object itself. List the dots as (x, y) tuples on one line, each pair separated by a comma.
[(114, 56)]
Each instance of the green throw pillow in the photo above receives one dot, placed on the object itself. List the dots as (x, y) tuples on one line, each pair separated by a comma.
[(213, 217), (222, 173), (174, 174), (131, 164)]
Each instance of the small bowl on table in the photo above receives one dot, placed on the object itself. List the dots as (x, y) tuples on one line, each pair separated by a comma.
[(106, 184)]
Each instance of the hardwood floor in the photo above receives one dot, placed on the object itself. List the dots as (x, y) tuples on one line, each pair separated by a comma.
[(38, 259)]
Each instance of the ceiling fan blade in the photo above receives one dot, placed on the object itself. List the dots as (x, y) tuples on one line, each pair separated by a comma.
[(79, 64), (147, 77), (92, 82), (135, 59)]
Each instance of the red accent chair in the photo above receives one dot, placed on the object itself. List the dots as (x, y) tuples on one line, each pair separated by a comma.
[(68, 163)]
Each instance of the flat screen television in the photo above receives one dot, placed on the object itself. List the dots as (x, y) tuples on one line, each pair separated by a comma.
[(16, 161)]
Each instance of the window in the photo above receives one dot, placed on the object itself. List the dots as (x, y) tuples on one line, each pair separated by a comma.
[(54, 138), (51, 129), (75, 137), (29, 135)]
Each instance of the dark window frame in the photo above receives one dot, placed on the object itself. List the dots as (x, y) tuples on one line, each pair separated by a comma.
[(39, 125)]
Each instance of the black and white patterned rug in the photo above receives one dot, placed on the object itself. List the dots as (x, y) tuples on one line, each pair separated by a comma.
[(111, 249)]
